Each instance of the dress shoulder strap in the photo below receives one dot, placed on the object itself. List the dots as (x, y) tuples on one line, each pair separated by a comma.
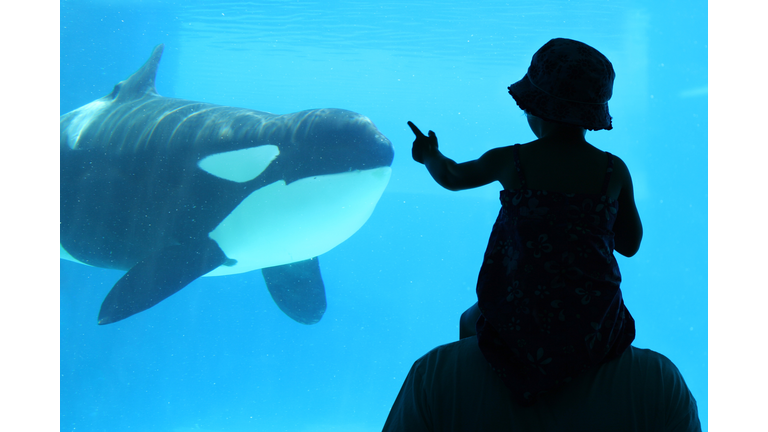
[(518, 167), (608, 173)]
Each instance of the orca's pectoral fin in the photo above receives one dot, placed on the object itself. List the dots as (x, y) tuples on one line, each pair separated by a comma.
[(159, 276), (298, 290)]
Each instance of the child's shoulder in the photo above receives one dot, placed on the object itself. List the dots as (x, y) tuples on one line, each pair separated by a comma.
[(500, 154), (504, 149), (620, 177), (619, 167)]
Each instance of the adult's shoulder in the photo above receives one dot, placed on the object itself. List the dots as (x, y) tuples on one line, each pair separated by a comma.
[(651, 389), (449, 355)]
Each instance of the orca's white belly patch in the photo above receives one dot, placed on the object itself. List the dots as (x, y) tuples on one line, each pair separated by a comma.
[(281, 224)]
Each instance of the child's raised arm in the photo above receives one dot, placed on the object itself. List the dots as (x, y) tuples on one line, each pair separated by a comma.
[(448, 173)]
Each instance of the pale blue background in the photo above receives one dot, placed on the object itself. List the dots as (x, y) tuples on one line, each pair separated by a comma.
[(220, 356)]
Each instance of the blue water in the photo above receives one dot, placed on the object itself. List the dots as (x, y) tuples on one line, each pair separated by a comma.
[(220, 356)]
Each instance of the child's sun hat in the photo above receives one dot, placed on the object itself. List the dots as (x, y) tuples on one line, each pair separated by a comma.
[(568, 82)]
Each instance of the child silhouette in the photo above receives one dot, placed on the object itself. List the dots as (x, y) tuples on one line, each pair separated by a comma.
[(549, 303)]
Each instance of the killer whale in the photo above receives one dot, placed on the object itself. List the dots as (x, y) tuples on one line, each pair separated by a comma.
[(170, 190)]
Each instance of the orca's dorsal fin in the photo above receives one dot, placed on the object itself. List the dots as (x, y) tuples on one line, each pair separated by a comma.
[(142, 82)]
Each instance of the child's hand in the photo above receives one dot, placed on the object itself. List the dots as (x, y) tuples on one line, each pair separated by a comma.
[(423, 144)]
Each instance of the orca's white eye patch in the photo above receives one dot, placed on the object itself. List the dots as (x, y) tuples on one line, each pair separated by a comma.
[(240, 165)]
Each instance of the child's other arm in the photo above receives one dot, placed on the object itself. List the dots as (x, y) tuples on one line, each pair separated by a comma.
[(448, 173), (628, 230)]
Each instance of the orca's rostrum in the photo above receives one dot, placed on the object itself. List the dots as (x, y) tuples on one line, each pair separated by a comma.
[(170, 190)]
